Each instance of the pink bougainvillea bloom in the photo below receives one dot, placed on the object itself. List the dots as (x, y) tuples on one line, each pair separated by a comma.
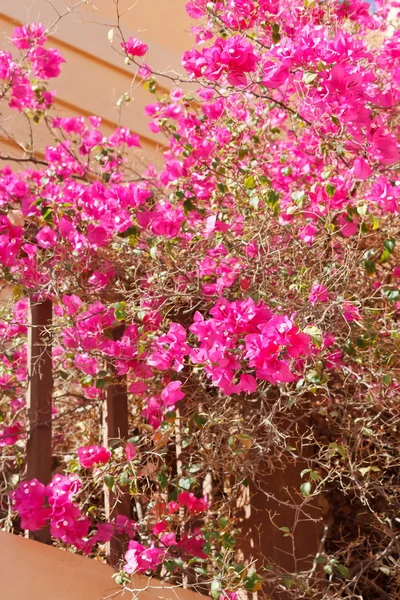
[(160, 527), (134, 47), (275, 74), (347, 228), (248, 383), (192, 503), (308, 233), (168, 538), (173, 507), (26, 36), (361, 169), (124, 525), (172, 393), (130, 451), (350, 312), (46, 237), (140, 559), (90, 456), (46, 62), (396, 272), (319, 293), (28, 500), (10, 434)]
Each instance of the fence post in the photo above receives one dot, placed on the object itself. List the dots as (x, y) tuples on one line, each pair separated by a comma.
[(115, 426), (39, 398)]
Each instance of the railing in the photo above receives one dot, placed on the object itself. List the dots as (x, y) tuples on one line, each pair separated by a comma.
[(270, 542), (39, 401)]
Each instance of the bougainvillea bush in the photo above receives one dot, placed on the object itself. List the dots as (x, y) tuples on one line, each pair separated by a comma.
[(255, 283)]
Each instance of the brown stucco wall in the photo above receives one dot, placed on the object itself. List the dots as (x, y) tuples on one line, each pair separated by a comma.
[(33, 571), (95, 75)]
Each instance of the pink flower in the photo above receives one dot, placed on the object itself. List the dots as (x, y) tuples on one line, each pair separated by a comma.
[(10, 434), (350, 312), (334, 360), (361, 169), (26, 36), (141, 559), (396, 272), (172, 393), (72, 303), (319, 293), (130, 451), (168, 539), (124, 525), (46, 62), (308, 233), (275, 74), (193, 504), (347, 227), (90, 456), (160, 527), (248, 383), (46, 237), (86, 363), (134, 47), (97, 236), (193, 544), (28, 500), (173, 507)]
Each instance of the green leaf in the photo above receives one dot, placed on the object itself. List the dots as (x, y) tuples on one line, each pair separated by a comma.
[(272, 199), (386, 380), (249, 182), (365, 470), (222, 522), (120, 311), (207, 548), (304, 472), (343, 570), (315, 334), (385, 256), (286, 531), (216, 588), (375, 222), (254, 201), (309, 77), (305, 488), (185, 483), (330, 189), (109, 481), (252, 582), (298, 196), (162, 479), (391, 294), (200, 420), (194, 468), (288, 582), (362, 210), (370, 267), (389, 245), (124, 478), (188, 206)]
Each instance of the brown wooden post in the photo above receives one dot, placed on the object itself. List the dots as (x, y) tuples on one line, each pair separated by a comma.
[(115, 426), (39, 398)]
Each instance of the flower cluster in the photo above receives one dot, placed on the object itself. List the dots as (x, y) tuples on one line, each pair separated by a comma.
[(255, 271)]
